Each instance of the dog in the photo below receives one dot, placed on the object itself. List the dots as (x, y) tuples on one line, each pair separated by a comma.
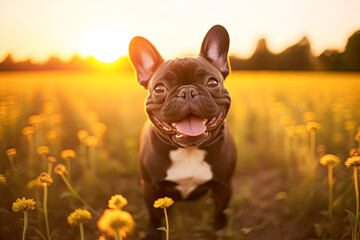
[(185, 147)]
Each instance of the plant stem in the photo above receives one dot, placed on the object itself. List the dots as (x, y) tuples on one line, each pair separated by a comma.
[(166, 224), (331, 189), (356, 185), (72, 190), (81, 225), (117, 234), (46, 212), (50, 167), (26, 220), (312, 145), (68, 167)]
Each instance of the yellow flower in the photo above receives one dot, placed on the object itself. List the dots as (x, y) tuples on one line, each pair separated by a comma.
[(78, 216), (354, 152), (116, 219), (300, 129), (68, 153), (163, 202), (35, 183), (51, 159), (312, 126), (51, 135), (45, 179), (60, 169), (357, 137), (92, 141), (23, 205), (11, 152), (329, 159), (43, 150), (28, 130), (353, 161), (82, 134), (2, 179), (34, 119), (99, 128), (117, 202)]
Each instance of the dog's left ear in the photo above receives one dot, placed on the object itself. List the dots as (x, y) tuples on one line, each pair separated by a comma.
[(215, 47)]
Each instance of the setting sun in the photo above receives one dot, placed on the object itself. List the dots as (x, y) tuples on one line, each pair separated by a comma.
[(106, 44)]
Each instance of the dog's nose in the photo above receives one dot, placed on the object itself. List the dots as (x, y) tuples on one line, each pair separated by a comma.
[(188, 92)]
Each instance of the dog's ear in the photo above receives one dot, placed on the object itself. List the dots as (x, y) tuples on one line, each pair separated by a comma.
[(215, 47), (145, 59)]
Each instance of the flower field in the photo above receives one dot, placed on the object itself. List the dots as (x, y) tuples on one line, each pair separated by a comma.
[(68, 141)]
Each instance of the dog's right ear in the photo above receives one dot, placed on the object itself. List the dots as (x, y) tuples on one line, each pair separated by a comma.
[(145, 59)]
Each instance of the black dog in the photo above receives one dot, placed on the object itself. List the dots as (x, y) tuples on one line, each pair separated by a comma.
[(186, 148)]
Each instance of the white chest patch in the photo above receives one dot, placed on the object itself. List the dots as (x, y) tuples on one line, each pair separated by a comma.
[(188, 169)]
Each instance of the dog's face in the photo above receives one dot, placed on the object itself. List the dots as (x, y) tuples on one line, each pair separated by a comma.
[(187, 100)]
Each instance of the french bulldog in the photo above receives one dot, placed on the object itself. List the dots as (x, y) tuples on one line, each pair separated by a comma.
[(185, 148)]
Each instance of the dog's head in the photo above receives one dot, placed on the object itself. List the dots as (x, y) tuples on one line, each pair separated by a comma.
[(187, 100)]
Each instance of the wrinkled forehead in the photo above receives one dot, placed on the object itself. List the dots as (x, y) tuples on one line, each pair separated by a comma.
[(186, 70)]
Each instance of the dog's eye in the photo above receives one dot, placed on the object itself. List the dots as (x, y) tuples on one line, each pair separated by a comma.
[(160, 88), (212, 82)]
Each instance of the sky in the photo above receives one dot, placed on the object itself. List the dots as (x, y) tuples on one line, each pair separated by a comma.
[(38, 29)]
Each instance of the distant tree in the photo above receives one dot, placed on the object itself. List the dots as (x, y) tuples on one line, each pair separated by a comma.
[(261, 58), (351, 55), (330, 60), (297, 57)]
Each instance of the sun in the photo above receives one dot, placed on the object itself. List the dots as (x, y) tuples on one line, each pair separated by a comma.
[(106, 44)]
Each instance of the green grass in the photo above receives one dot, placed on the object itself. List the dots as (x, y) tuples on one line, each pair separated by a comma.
[(279, 193)]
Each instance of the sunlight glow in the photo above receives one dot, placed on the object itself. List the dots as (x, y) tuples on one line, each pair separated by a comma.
[(106, 44)]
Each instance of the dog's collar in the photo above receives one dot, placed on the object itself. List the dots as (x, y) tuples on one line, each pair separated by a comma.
[(221, 134)]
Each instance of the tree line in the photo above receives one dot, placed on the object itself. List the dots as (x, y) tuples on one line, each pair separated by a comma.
[(297, 57)]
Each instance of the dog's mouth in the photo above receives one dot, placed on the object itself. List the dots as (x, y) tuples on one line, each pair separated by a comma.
[(190, 130)]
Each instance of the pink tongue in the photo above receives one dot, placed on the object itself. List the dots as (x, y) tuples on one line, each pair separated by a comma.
[(191, 126)]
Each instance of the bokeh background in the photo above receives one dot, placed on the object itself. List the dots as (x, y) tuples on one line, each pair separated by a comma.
[(66, 83)]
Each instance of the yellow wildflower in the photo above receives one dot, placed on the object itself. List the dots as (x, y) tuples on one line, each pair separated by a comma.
[(290, 131), (34, 119), (68, 153), (79, 216), (300, 129), (82, 135), (45, 179), (117, 202), (35, 183), (60, 169), (329, 159), (354, 152), (353, 161), (43, 150), (99, 128), (51, 159), (23, 205), (92, 141), (357, 137), (163, 202), (116, 219), (51, 135), (312, 126), (11, 152), (28, 130), (2, 179)]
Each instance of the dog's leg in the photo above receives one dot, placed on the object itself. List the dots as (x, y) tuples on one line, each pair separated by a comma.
[(221, 195), (155, 214)]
